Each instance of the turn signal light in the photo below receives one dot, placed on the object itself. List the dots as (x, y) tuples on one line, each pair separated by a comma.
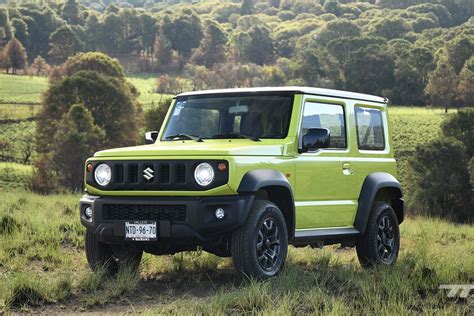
[(89, 167), (222, 166)]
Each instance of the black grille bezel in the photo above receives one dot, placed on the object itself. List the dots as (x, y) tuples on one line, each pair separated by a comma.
[(169, 175)]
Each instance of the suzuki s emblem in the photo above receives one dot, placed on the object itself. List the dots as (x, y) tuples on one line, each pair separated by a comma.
[(148, 173)]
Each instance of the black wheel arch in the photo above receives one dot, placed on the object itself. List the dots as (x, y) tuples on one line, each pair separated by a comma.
[(272, 185), (379, 186)]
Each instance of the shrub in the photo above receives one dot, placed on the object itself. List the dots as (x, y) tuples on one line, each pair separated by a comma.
[(439, 181), (461, 126)]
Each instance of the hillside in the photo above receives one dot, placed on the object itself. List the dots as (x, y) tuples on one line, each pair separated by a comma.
[(415, 52)]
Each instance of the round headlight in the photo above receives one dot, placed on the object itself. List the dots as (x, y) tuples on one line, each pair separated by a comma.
[(102, 174), (204, 174)]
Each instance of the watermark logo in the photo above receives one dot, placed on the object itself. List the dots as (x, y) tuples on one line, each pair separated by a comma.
[(461, 290)]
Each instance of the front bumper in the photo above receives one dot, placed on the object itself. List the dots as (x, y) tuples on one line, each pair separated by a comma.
[(198, 225)]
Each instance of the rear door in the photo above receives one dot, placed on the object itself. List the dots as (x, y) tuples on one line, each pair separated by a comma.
[(325, 194)]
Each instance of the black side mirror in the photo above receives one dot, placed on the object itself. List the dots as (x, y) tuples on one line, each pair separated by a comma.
[(150, 137), (316, 138)]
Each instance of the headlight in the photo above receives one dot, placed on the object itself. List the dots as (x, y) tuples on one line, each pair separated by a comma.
[(204, 174), (102, 174)]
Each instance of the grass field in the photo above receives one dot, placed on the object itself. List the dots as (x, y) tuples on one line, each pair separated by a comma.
[(43, 268), (27, 90), (21, 89)]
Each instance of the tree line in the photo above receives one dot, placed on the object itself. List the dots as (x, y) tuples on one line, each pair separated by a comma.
[(413, 51)]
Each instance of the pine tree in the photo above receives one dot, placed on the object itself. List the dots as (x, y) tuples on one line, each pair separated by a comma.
[(15, 55)]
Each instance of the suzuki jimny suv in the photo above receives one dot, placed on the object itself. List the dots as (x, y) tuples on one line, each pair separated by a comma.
[(246, 172)]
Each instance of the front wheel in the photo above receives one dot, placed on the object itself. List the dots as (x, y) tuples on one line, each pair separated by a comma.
[(260, 246), (110, 258), (380, 243)]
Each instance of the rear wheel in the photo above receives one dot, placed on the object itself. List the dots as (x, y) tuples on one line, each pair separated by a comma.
[(111, 258), (260, 246), (381, 242)]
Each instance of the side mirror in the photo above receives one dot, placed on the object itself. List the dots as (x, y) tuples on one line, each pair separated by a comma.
[(150, 137), (316, 138)]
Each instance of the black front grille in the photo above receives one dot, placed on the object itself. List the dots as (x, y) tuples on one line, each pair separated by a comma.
[(174, 213), (157, 175)]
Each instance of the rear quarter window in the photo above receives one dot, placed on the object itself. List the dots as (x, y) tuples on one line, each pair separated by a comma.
[(370, 131)]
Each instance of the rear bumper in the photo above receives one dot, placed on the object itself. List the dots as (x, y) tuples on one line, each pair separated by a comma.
[(198, 226)]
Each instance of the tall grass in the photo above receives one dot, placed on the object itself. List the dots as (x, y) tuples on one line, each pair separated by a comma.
[(42, 265)]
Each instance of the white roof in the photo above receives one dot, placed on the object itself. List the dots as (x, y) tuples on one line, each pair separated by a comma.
[(296, 89)]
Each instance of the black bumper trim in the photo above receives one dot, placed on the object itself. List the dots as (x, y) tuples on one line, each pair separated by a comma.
[(200, 224)]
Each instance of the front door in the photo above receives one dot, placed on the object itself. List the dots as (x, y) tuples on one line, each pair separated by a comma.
[(325, 191)]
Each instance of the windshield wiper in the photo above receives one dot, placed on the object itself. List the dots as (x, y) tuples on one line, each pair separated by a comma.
[(232, 135), (182, 135)]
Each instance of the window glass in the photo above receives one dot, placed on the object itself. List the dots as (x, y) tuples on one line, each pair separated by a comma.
[(370, 133), (231, 116), (330, 116)]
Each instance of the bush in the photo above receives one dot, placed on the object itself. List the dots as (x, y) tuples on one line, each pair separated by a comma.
[(439, 181), (461, 127)]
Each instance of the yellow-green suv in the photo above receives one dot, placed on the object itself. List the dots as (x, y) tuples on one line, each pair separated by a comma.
[(244, 173)]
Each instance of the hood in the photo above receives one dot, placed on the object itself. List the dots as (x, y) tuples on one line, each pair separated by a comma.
[(235, 147)]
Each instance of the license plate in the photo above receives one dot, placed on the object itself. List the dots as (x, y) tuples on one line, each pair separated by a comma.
[(140, 230)]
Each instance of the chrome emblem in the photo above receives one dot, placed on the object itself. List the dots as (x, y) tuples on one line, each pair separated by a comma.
[(148, 173)]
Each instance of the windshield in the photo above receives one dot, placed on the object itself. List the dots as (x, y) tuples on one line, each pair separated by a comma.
[(230, 116)]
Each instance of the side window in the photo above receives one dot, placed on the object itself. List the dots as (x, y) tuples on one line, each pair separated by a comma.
[(330, 116), (370, 133)]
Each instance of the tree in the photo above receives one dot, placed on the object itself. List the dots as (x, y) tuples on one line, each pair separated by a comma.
[(212, 47), (465, 89), (183, 31), (260, 49), (93, 61), (40, 66), (459, 50), (155, 116), (308, 66), (390, 28), (64, 42), (76, 139), (70, 12), (437, 190), (93, 30), (336, 29), (440, 85), (247, 7), (460, 126), (4, 61), (369, 70), (162, 51), (5, 26), (111, 100), (148, 29), (21, 31), (16, 55)]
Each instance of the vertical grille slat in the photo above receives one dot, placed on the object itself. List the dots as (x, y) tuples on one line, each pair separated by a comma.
[(180, 173), (133, 173), (164, 173), (119, 173)]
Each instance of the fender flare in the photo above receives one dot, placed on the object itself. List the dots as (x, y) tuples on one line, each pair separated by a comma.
[(255, 180), (372, 184)]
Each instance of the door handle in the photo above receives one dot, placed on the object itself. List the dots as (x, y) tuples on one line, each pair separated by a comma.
[(346, 169)]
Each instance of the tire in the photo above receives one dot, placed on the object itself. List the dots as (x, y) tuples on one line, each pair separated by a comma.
[(380, 243), (110, 258), (260, 246)]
